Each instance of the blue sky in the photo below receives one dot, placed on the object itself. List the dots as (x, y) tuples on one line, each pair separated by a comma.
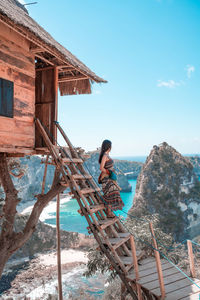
[(149, 51)]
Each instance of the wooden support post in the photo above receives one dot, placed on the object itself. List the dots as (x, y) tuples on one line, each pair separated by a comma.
[(158, 263), (135, 262), (58, 248), (56, 103), (45, 174), (123, 291), (191, 259)]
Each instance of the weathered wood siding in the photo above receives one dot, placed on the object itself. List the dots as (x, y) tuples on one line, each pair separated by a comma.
[(17, 64)]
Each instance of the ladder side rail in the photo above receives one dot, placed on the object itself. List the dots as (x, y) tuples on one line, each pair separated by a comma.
[(72, 169), (95, 221), (106, 252), (73, 151), (78, 166), (51, 148), (81, 169), (158, 264)]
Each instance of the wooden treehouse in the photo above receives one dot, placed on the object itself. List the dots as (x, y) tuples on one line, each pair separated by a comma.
[(33, 66)]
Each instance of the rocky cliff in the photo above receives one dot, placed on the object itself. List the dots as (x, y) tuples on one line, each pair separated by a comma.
[(168, 185), (195, 161)]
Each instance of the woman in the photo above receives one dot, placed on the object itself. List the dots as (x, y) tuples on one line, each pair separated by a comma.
[(110, 188)]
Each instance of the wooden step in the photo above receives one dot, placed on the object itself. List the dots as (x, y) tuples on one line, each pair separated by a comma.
[(150, 274), (128, 260), (176, 286), (117, 242), (80, 176), (71, 160), (89, 190), (123, 234), (63, 183), (108, 222), (183, 291), (95, 208)]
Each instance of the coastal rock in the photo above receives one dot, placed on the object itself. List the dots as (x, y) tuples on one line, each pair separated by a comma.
[(195, 161), (168, 185), (131, 169)]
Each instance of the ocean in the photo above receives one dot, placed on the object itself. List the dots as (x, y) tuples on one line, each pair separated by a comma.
[(70, 219)]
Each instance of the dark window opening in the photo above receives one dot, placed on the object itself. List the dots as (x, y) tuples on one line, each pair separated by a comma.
[(6, 98)]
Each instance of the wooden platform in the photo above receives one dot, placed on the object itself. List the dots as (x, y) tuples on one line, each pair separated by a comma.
[(177, 286)]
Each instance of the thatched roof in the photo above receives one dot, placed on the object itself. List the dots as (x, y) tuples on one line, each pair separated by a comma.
[(18, 15)]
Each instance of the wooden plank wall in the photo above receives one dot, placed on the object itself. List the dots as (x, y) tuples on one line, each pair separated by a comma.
[(17, 64), (46, 103)]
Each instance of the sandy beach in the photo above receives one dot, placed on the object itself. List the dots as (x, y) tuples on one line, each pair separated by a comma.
[(38, 277)]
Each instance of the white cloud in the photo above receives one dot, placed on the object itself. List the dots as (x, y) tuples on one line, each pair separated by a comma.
[(169, 84), (22, 1), (190, 69)]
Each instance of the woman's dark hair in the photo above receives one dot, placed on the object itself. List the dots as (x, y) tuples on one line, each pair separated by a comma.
[(104, 147)]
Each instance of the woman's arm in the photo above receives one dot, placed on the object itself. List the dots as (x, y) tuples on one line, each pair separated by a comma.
[(103, 161)]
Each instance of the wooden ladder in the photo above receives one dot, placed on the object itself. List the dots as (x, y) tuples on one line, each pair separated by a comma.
[(114, 241)]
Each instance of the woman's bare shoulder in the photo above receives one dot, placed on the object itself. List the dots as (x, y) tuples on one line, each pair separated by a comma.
[(105, 155)]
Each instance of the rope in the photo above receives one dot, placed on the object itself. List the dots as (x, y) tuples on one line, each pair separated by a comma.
[(168, 248), (147, 243), (162, 254)]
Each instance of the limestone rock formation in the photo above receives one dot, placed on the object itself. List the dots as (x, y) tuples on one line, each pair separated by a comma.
[(168, 185)]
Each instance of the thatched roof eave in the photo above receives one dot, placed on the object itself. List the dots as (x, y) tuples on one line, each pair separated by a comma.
[(13, 12)]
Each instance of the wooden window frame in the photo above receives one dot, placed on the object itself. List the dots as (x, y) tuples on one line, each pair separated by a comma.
[(6, 98)]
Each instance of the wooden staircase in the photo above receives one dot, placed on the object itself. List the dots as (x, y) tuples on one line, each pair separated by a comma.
[(143, 281)]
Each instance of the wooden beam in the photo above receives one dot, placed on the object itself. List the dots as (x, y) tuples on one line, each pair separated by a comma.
[(65, 66), (17, 150), (44, 59), (191, 258), (67, 79), (158, 263), (58, 248), (56, 102), (135, 262), (36, 50), (44, 69)]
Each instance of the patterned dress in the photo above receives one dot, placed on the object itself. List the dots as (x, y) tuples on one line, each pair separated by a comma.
[(110, 190)]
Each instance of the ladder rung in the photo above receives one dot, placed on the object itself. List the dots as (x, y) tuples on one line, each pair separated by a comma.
[(80, 176), (63, 183), (71, 160), (123, 234), (128, 260), (95, 208), (88, 190), (117, 242), (107, 222)]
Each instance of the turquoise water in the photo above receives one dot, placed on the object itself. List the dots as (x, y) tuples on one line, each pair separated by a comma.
[(71, 220)]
